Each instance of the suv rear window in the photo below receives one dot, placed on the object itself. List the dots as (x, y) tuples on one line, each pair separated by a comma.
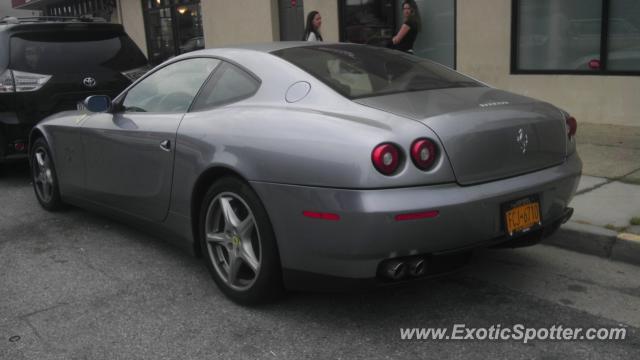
[(72, 51), (358, 71)]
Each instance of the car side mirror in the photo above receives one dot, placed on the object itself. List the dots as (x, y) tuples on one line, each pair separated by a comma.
[(97, 103)]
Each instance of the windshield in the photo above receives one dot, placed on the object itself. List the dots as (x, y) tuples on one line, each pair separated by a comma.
[(73, 51), (358, 71)]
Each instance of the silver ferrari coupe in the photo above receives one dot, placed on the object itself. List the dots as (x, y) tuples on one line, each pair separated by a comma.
[(291, 165)]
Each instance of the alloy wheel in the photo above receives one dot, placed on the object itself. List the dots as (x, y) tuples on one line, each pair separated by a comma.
[(43, 175), (233, 241)]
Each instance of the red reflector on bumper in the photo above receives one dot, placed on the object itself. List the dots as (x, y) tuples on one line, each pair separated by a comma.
[(416, 216), (19, 146), (323, 216)]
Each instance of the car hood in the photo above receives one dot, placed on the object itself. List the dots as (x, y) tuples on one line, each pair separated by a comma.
[(487, 134)]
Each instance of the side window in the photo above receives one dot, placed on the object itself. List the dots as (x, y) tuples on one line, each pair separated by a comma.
[(170, 89), (227, 85)]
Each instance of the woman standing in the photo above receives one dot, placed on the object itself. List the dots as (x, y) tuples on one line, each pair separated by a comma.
[(312, 30), (408, 32)]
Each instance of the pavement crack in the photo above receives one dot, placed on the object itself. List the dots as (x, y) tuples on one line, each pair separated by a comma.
[(45, 344), (552, 302), (607, 182), (27, 315)]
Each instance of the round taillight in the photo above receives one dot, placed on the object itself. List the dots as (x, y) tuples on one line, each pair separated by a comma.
[(572, 126), (423, 153), (386, 158)]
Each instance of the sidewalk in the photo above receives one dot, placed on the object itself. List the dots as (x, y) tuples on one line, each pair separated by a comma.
[(606, 221)]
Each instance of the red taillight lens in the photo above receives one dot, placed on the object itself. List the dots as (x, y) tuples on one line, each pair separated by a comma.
[(423, 153), (386, 158), (572, 126)]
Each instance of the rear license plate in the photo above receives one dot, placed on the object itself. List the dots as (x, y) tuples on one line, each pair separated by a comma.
[(522, 215)]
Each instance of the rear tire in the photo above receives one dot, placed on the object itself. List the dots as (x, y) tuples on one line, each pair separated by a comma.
[(238, 243), (3, 149), (43, 176)]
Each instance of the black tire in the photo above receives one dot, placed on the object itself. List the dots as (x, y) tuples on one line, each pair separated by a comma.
[(3, 149), (251, 284), (43, 176)]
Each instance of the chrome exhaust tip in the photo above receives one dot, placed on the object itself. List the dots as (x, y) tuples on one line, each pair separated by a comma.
[(394, 269), (568, 212), (417, 267)]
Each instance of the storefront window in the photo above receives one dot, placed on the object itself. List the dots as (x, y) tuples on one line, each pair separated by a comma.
[(437, 37), (624, 36), (173, 27), (576, 36), (375, 22), (369, 22)]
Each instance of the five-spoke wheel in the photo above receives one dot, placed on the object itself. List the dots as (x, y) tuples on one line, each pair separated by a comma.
[(238, 243), (43, 175), (233, 240)]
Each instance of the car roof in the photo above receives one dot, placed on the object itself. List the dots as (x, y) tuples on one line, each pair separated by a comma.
[(274, 46), (264, 48)]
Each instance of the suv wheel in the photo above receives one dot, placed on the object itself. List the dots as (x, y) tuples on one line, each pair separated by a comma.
[(3, 146), (43, 176)]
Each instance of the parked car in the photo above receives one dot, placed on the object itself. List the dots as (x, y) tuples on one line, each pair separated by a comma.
[(49, 64), (318, 166)]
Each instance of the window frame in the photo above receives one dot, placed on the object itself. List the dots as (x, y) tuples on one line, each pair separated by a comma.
[(604, 49), (119, 100), (342, 20), (212, 81), (175, 30), (339, 47)]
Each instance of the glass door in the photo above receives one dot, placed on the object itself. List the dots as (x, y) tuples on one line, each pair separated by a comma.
[(189, 28), (369, 22), (172, 27), (437, 37)]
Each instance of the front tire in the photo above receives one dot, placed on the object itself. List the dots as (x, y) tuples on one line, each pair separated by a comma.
[(43, 176), (238, 243)]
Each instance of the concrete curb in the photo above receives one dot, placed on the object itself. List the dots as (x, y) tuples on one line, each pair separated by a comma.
[(594, 240), (627, 248)]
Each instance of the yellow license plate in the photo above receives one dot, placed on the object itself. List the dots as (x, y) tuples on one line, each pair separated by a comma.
[(522, 217)]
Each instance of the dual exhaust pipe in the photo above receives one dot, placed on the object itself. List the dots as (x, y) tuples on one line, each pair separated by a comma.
[(396, 269)]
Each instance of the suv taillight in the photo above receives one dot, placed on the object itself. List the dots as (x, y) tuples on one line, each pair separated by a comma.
[(572, 126), (135, 74), (20, 81), (6, 82)]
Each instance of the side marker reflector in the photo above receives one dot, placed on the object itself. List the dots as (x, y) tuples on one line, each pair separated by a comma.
[(416, 216), (322, 216)]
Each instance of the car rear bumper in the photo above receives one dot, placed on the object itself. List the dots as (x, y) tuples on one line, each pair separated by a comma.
[(13, 137), (367, 232)]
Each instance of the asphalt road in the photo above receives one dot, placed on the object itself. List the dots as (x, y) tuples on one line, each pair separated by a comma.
[(74, 285)]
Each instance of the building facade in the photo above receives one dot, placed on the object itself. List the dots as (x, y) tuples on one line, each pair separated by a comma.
[(582, 55)]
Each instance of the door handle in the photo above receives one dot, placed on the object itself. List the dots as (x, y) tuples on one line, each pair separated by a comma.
[(165, 145)]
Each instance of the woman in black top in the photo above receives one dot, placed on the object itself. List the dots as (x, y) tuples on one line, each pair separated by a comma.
[(408, 32)]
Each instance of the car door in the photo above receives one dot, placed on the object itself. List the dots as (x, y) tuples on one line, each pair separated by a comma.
[(129, 154)]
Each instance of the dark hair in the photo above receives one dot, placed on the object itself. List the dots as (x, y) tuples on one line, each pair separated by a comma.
[(416, 15), (309, 28)]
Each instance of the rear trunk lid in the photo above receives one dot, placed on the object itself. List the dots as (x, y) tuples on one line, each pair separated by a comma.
[(487, 134)]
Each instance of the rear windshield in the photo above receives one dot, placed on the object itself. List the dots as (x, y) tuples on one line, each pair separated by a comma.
[(358, 71), (74, 51)]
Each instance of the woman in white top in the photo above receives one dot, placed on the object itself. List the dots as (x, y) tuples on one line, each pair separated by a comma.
[(312, 30)]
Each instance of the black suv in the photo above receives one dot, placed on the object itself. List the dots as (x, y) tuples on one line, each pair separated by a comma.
[(50, 64)]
